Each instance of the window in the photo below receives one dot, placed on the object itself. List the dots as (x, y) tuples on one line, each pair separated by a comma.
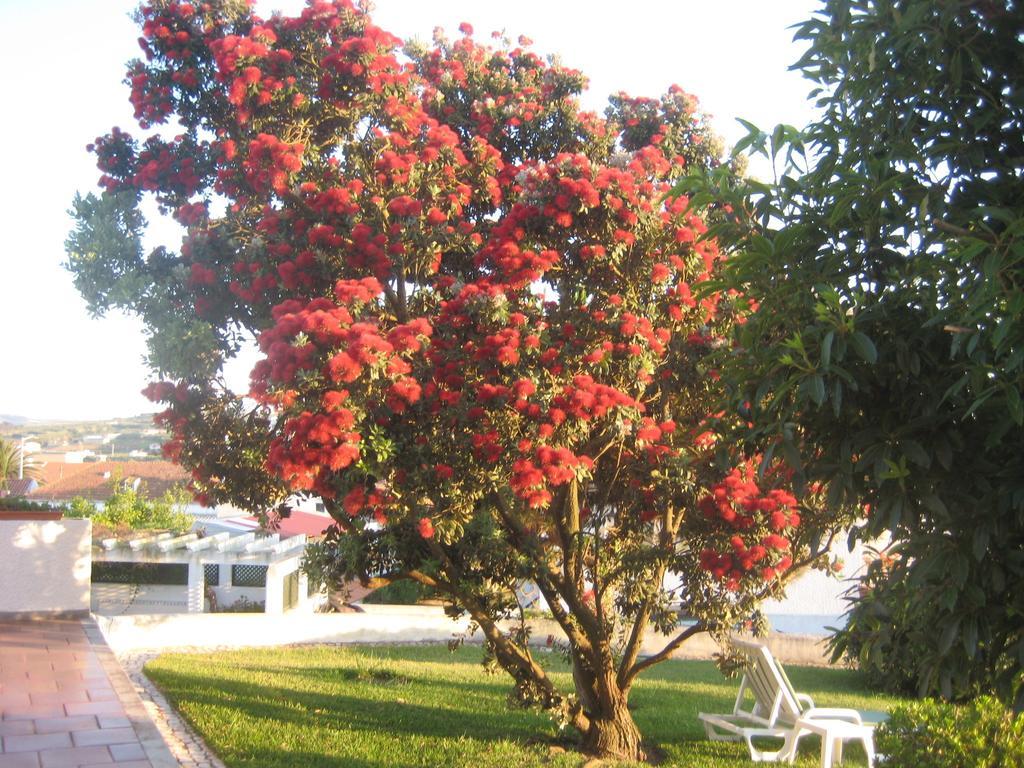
[(291, 590), (211, 572), (248, 575), (175, 574)]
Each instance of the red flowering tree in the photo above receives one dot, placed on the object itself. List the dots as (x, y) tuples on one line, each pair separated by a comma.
[(484, 329)]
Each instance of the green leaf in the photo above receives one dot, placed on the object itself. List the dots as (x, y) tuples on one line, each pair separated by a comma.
[(948, 636), (914, 451), (934, 504), (1013, 404), (826, 348), (970, 638), (943, 452), (864, 347), (979, 544), (792, 455), (817, 389)]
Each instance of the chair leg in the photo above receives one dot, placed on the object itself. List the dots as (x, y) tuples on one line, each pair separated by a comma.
[(838, 749), (792, 745), (826, 752), (755, 754), (869, 750)]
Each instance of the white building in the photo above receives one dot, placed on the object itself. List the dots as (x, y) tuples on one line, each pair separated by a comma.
[(194, 574)]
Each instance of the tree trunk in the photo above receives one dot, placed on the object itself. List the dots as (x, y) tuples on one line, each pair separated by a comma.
[(613, 734), (584, 684)]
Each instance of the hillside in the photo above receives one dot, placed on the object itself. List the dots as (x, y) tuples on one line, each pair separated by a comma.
[(117, 438)]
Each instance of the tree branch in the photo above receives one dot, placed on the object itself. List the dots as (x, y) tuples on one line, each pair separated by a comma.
[(953, 229), (665, 652)]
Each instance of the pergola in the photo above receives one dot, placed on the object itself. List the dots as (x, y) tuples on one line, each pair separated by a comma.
[(285, 585)]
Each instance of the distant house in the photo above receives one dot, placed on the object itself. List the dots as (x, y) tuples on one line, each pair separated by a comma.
[(309, 524), (77, 457), (196, 572), (18, 487), (63, 481)]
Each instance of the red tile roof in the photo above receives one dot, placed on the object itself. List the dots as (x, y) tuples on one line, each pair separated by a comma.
[(18, 486), (309, 523), (63, 482)]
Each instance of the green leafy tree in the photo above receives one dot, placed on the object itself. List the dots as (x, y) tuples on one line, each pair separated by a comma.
[(13, 464), (479, 341), (886, 360), (129, 509)]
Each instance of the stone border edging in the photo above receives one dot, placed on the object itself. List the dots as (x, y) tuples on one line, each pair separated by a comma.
[(188, 746), (142, 719)]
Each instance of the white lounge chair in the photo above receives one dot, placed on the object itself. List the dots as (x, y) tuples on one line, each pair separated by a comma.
[(780, 712)]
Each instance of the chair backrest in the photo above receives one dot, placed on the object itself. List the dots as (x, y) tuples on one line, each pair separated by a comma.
[(774, 697)]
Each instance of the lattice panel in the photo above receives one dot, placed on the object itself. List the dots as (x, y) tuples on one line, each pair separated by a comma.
[(248, 575)]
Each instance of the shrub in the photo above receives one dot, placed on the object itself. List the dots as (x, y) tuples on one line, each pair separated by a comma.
[(933, 734), (130, 510), (243, 605), (21, 504), (883, 634), (399, 593)]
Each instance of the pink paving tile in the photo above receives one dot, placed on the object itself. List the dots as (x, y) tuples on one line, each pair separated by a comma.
[(94, 708), (74, 757), (32, 711), (70, 662), (36, 742), (14, 699), (53, 656), (86, 680), (20, 760), (24, 685), (16, 727), (102, 694), (104, 736), (58, 677), (65, 724), (39, 668), (62, 703), (60, 697), (125, 752)]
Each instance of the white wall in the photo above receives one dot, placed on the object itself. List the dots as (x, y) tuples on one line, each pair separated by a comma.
[(45, 565), (816, 601), (217, 630)]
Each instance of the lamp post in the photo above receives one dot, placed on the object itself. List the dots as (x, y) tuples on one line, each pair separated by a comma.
[(21, 458)]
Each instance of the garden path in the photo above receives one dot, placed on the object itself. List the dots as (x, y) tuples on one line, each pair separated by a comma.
[(66, 703)]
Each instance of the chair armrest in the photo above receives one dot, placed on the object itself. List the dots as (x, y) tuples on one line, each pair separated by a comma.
[(832, 713), (803, 698)]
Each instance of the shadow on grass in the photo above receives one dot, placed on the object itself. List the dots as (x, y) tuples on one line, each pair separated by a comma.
[(413, 706), (341, 711)]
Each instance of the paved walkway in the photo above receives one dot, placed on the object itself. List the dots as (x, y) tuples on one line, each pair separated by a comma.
[(66, 703), (187, 746)]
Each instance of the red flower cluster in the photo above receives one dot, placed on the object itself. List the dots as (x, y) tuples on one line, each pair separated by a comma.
[(312, 447), (751, 522), (552, 466), (271, 163)]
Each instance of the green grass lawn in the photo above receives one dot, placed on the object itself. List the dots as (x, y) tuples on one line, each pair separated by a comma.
[(356, 707)]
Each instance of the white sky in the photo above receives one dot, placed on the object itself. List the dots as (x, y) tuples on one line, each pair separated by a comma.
[(63, 63)]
